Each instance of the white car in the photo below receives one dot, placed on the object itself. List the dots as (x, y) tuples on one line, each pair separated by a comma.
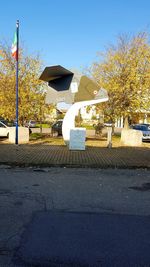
[(4, 130)]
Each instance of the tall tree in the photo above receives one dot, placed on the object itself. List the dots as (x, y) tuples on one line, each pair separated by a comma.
[(31, 89), (124, 72)]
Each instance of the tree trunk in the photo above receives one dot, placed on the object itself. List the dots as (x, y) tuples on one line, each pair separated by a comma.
[(126, 123)]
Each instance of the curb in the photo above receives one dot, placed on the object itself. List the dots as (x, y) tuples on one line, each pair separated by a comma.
[(8, 165)]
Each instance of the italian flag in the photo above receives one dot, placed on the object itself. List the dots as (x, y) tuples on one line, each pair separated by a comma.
[(14, 47)]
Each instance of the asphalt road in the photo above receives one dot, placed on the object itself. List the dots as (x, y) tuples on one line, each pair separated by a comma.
[(74, 217)]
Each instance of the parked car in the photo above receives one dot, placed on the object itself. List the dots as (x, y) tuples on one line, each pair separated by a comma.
[(4, 130), (57, 127), (30, 124), (144, 128)]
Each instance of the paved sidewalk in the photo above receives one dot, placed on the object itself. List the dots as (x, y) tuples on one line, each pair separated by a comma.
[(54, 155)]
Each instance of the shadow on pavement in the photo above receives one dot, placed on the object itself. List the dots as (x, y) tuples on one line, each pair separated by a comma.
[(85, 239)]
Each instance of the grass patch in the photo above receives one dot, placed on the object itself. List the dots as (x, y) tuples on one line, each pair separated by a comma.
[(44, 125), (38, 138), (35, 136), (88, 127), (46, 139)]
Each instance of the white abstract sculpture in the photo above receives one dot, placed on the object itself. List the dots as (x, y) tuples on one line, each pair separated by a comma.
[(69, 119), (76, 89)]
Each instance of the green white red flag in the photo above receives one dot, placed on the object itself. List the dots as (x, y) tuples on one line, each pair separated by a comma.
[(14, 50)]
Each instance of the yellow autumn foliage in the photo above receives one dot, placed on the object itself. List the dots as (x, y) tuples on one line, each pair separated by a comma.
[(124, 72), (31, 90)]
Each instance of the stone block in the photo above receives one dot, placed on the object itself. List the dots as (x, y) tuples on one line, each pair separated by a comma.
[(23, 135), (131, 137)]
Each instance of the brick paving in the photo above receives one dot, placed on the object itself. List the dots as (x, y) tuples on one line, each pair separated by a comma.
[(41, 155)]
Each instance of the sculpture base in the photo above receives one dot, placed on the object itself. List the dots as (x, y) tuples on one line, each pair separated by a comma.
[(77, 139)]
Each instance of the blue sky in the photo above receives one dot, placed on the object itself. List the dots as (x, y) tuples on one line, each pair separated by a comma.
[(71, 33)]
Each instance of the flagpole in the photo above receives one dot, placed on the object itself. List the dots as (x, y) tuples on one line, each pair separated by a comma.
[(17, 72)]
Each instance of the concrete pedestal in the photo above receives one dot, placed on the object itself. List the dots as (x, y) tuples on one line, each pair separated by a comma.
[(23, 135), (77, 139)]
